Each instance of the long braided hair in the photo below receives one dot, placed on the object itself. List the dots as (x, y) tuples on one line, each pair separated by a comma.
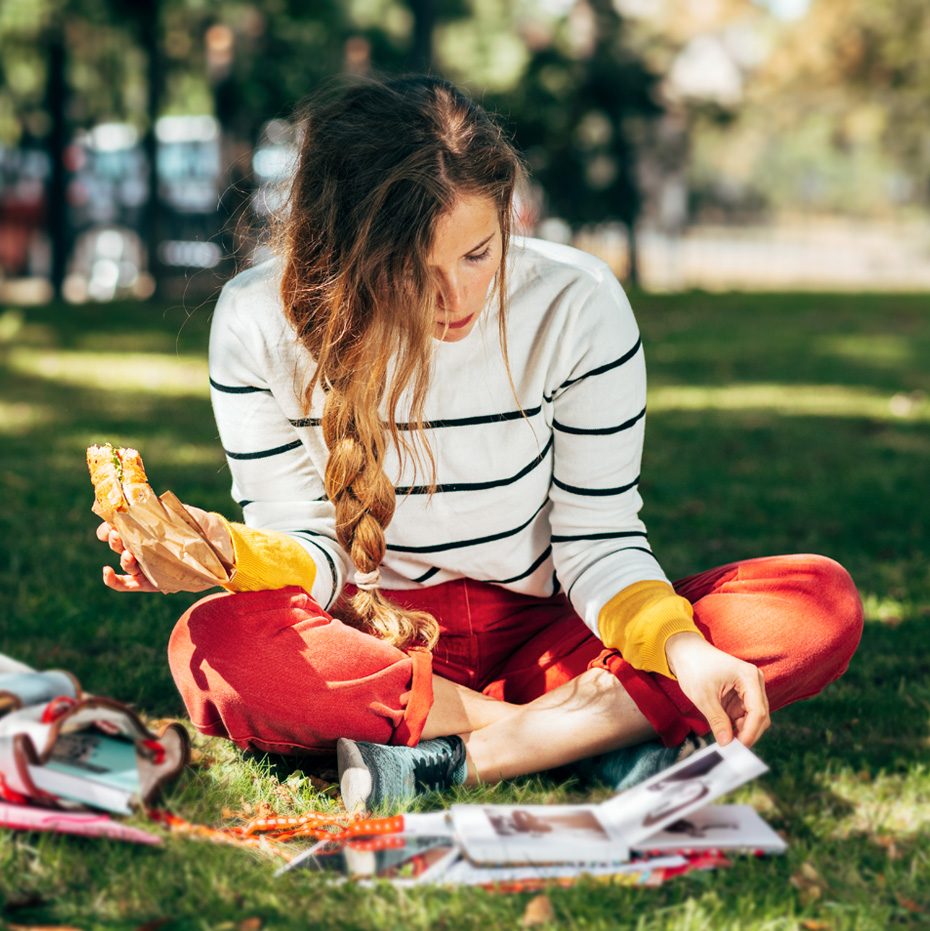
[(380, 162)]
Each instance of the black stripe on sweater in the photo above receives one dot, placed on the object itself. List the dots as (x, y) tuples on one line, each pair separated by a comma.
[(599, 370), (595, 492), (641, 549), (427, 575), (478, 541), (516, 578), (477, 420), (264, 453), (479, 486), (607, 535), (332, 565), (238, 389), (599, 431)]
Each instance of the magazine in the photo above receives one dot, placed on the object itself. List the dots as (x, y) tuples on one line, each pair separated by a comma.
[(91, 768), (681, 789), (538, 834), (716, 827)]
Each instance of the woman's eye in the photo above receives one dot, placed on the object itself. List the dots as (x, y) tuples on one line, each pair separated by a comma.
[(480, 257)]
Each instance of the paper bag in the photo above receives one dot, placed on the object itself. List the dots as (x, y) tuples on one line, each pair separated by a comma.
[(171, 549)]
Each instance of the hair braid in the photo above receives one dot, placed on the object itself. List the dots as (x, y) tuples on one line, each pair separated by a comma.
[(380, 163)]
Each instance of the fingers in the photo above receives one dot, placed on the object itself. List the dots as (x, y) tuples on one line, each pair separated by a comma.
[(126, 583), (755, 702), (719, 721)]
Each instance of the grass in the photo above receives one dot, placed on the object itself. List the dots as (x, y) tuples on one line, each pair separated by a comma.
[(778, 423)]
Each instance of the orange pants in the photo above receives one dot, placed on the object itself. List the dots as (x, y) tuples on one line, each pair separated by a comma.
[(273, 671)]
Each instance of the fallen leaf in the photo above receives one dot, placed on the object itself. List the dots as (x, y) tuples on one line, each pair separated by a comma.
[(910, 904), (250, 924), (155, 925), (812, 924), (539, 911), (809, 895), (265, 810)]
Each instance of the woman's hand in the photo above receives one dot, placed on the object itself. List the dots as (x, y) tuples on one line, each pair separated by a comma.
[(134, 579), (729, 693)]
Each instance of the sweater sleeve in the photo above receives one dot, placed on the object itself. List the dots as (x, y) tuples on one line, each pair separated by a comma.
[(268, 560), (639, 620), (254, 379), (600, 547)]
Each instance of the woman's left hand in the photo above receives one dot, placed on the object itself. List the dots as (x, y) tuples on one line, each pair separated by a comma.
[(729, 692)]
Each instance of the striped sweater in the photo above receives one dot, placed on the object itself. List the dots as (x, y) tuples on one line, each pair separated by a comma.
[(537, 493)]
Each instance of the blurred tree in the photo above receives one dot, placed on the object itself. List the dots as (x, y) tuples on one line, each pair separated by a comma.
[(863, 68), (578, 110)]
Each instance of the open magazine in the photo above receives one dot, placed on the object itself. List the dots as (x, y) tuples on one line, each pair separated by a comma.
[(652, 826)]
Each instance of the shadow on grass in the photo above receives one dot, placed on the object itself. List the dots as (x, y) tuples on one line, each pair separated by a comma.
[(718, 485)]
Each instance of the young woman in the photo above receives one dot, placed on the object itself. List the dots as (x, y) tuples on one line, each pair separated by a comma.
[(435, 433)]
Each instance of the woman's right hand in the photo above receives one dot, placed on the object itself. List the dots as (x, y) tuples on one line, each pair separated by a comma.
[(133, 579)]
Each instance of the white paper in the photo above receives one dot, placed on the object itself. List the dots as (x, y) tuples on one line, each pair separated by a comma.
[(681, 789), (717, 827)]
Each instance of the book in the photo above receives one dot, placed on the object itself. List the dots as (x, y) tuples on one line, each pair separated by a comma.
[(33, 818), (538, 834), (715, 827), (679, 790), (92, 768)]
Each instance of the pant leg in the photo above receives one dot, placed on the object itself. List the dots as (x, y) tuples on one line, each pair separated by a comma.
[(798, 618), (272, 671), (511, 646)]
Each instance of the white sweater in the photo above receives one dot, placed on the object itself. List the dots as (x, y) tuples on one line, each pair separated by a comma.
[(536, 501)]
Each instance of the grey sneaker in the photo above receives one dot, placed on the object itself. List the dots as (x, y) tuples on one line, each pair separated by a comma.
[(375, 775), (625, 768)]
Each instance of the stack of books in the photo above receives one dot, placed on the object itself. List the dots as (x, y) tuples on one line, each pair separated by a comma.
[(665, 824)]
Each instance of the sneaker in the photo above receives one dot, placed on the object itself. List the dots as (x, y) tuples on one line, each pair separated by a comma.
[(374, 775), (622, 769)]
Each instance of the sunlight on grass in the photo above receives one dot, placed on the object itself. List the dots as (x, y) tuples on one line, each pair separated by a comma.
[(887, 804), (883, 608), (23, 416), (801, 400), (134, 372), (872, 348)]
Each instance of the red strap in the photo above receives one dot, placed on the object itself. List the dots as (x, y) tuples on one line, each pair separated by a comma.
[(56, 708)]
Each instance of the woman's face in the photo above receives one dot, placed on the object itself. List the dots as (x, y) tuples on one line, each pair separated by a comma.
[(465, 256)]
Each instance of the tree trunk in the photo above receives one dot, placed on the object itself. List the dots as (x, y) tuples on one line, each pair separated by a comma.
[(150, 34), (56, 213), (424, 22)]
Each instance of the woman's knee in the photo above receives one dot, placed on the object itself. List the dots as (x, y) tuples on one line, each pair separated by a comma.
[(838, 616), (273, 671)]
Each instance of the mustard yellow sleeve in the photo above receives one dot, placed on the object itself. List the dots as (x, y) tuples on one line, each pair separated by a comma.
[(267, 559), (639, 620)]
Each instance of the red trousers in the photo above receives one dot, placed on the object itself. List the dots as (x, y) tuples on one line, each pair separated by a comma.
[(273, 671)]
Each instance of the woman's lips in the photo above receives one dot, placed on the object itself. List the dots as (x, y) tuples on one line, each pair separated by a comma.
[(458, 324)]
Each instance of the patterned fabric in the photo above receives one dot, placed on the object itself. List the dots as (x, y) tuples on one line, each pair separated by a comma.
[(537, 493)]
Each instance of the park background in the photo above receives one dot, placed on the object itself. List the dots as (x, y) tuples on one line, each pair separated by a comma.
[(759, 178)]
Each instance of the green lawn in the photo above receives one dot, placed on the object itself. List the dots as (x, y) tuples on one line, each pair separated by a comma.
[(777, 423)]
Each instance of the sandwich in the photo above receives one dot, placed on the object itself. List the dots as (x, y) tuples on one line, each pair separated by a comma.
[(119, 479)]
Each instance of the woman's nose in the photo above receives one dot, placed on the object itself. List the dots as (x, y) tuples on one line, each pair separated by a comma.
[(451, 296)]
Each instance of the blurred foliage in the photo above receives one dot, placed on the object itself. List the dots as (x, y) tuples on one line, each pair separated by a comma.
[(834, 119)]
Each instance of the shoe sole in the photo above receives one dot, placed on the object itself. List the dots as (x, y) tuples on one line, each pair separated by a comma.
[(355, 782)]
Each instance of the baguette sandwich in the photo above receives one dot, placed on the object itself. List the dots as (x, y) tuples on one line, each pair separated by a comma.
[(119, 479)]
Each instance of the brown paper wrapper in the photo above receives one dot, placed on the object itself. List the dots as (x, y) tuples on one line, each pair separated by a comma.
[(169, 545)]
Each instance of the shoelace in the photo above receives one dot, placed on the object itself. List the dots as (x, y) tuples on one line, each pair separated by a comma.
[(435, 769)]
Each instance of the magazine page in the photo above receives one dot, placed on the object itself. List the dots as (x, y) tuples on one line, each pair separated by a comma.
[(679, 790), (396, 857), (716, 827), (538, 834), (463, 872)]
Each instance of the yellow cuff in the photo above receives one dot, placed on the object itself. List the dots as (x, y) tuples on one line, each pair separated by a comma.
[(268, 559), (640, 619)]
